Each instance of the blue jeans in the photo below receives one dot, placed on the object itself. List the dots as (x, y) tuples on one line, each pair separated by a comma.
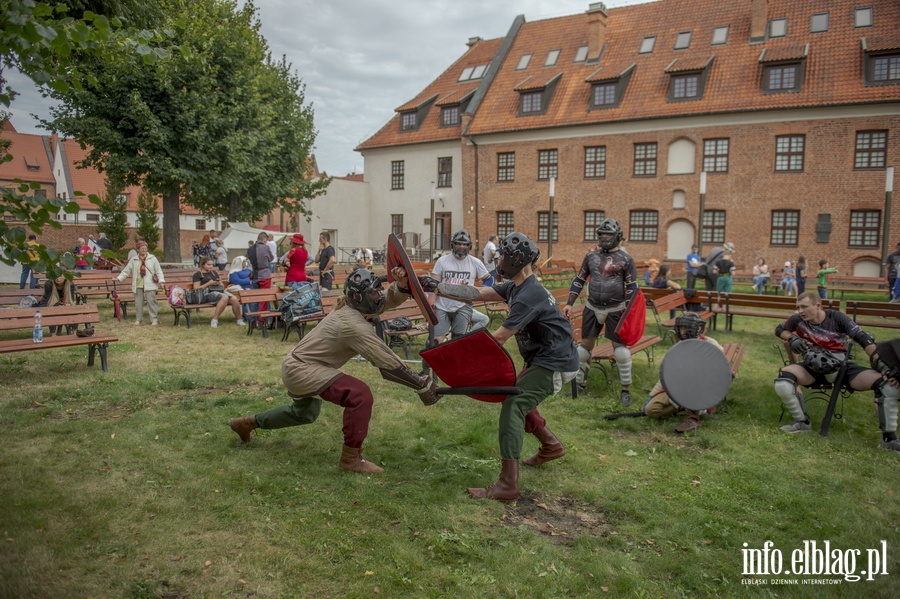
[(823, 292), (27, 272)]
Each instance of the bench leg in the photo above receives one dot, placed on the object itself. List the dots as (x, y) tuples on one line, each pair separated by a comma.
[(124, 306), (101, 348), (177, 315), (187, 318), (264, 329)]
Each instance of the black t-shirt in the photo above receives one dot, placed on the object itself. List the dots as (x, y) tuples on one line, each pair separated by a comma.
[(892, 261), (204, 277), (724, 267), (324, 257), (543, 334)]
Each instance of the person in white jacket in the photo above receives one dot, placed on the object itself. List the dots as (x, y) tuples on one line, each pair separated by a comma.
[(148, 276)]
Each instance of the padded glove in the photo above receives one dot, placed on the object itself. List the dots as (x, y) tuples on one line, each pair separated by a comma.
[(428, 394), (798, 345)]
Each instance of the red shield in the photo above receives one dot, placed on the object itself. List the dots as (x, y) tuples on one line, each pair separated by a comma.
[(396, 256), (631, 326), (473, 360)]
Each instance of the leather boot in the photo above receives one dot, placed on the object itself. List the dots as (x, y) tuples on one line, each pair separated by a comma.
[(507, 486), (550, 448), (352, 460), (243, 427), (692, 422)]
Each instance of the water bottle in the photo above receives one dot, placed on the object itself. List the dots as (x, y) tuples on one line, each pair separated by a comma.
[(38, 335)]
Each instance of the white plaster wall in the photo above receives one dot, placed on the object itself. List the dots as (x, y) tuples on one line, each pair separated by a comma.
[(346, 209)]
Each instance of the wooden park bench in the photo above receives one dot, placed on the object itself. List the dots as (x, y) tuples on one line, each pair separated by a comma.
[(185, 309), (844, 283), (760, 306), (265, 303), (21, 319), (91, 285), (662, 307), (12, 297), (874, 314), (404, 339)]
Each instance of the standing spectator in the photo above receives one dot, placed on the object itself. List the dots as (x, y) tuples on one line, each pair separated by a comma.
[(270, 241), (725, 269), (82, 252), (203, 250), (103, 242), (326, 258), (760, 275), (714, 256), (490, 257), (296, 260), (148, 276), (221, 255), (31, 256), (890, 268), (800, 273), (260, 256), (694, 260), (789, 279), (822, 278), (457, 268), (613, 280)]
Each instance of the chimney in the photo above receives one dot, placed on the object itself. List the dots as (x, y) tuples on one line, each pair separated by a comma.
[(758, 20), (597, 16), (472, 41)]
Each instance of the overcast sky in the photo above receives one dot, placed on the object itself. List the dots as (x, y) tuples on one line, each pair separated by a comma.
[(360, 59)]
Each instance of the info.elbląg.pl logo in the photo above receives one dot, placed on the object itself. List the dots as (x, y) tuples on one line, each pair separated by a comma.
[(813, 559)]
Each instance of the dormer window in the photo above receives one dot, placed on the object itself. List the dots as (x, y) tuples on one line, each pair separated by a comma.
[(32, 164), (783, 69), (604, 94), (450, 116), (413, 113), (683, 40), (535, 94), (687, 78), (778, 28), (552, 57), (608, 86), (408, 121), (647, 45), (531, 102)]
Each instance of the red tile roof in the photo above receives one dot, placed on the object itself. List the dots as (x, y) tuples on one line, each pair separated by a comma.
[(29, 152)]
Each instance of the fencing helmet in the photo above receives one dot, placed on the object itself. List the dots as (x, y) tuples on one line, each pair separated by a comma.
[(461, 243), (689, 325), (516, 252), (821, 360), (364, 291), (609, 234)]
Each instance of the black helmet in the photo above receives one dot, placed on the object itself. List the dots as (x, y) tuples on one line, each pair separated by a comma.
[(516, 252), (821, 360), (689, 325), (364, 292), (461, 243), (609, 234)]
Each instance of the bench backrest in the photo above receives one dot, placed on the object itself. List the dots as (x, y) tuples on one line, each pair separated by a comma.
[(23, 318), (670, 301), (869, 308)]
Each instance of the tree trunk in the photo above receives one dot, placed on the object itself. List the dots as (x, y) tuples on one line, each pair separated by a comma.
[(171, 227)]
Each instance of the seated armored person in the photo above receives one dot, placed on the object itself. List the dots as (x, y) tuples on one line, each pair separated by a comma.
[(310, 371), (689, 325), (456, 268), (820, 337), (613, 280)]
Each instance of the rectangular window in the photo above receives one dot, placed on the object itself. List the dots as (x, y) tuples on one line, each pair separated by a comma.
[(592, 220), (552, 57), (531, 102), (408, 121), (862, 17), (397, 224), (886, 68), (542, 226), (445, 172), (595, 162), (397, 173), (715, 155), (644, 225), (713, 226), (450, 116), (684, 86), (506, 166), (782, 77), (785, 227), (720, 35), (789, 153), (581, 54), (865, 226), (778, 28), (200, 224), (523, 62), (683, 40), (871, 149), (505, 224), (548, 164), (818, 22), (92, 218), (645, 160), (647, 45), (604, 94)]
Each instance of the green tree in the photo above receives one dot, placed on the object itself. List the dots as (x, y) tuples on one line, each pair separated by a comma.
[(221, 126), (39, 39), (113, 214), (147, 221)]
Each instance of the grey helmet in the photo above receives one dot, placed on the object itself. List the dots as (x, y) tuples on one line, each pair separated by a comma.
[(689, 325), (609, 234), (364, 291), (516, 252), (821, 360), (461, 243)]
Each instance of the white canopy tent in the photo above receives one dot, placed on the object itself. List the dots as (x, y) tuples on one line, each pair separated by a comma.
[(237, 237)]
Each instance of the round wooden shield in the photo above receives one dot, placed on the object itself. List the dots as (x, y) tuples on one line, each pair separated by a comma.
[(695, 374)]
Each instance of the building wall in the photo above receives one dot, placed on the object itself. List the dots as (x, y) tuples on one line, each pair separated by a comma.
[(748, 192), (345, 210)]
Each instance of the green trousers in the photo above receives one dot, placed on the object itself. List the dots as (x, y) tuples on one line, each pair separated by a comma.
[(537, 385)]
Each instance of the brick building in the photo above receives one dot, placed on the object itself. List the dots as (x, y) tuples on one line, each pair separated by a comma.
[(790, 107)]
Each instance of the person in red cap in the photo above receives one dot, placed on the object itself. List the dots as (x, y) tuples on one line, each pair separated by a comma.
[(296, 260)]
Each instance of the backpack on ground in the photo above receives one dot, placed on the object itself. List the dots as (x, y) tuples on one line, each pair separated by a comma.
[(305, 300)]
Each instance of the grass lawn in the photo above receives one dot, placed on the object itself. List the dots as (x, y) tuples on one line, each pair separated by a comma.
[(131, 484)]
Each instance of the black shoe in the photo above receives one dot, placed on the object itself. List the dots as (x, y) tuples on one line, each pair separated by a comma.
[(625, 398)]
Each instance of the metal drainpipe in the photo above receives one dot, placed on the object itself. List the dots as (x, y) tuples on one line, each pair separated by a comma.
[(477, 231)]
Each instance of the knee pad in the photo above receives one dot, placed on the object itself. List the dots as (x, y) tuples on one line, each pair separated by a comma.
[(886, 404), (786, 389), (584, 365), (623, 364)]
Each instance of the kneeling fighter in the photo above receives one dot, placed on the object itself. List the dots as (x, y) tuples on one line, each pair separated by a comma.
[(545, 341), (310, 372), (820, 337)]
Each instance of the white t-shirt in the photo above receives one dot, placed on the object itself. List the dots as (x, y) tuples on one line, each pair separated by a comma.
[(272, 247), (448, 269), (490, 250)]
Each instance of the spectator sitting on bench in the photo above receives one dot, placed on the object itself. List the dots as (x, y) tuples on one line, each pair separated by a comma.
[(689, 325), (760, 275), (58, 292), (820, 337), (207, 278), (789, 279)]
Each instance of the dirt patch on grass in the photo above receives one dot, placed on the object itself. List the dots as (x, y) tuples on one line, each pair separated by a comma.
[(563, 520)]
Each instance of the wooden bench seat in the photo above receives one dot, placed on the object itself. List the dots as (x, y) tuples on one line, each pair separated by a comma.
[(22, 319), (880, 314)]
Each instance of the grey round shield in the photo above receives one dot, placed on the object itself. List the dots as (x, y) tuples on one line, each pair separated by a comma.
[(695, 374)]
